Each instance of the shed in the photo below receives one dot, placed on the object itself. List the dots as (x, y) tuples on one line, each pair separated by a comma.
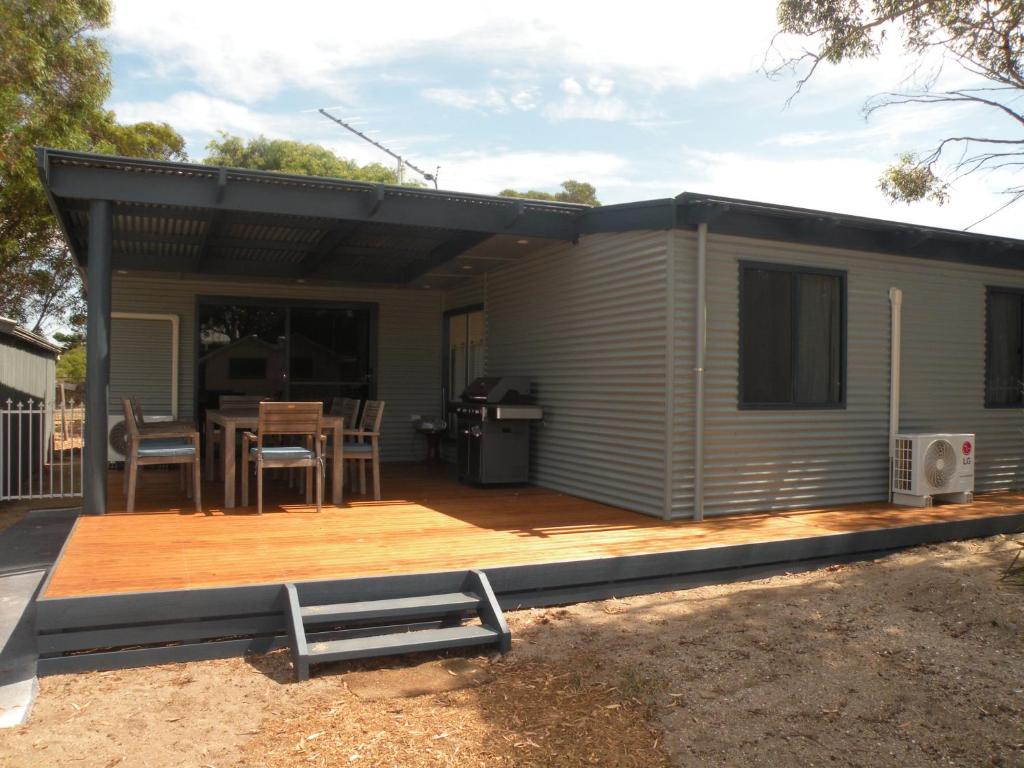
[(28, 365)]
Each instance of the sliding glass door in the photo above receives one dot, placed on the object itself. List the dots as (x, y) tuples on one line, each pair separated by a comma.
[(285, 350)]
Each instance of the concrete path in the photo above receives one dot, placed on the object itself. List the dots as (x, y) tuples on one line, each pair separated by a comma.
[(27, 550)]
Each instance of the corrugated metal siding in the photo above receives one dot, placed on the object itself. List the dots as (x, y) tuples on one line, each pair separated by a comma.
[(588, 323), (759, 460), (408, 341), (25, 374), (149, 341), (473, 291)]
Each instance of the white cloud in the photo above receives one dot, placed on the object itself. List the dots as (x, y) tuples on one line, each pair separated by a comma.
[(259, 51), (888, 128), (571, 86), (524, 99), (491, 172), (602, 86), (587, 108), (488, 99), (191, 112), (846, 185)]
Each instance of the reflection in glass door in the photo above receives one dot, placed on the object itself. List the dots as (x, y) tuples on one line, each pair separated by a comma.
[(287, 351), (466, 350)]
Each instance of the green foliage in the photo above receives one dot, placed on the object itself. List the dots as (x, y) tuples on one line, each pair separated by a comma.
[(71, 366), (909, 180), (54, 78), (572, 192), (286, 156), (985, 38)]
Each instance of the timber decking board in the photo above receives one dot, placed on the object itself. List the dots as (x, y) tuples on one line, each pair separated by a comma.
[(426, 522)]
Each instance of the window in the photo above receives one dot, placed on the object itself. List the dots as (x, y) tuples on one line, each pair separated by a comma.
[(792, 337), (1004, 338)]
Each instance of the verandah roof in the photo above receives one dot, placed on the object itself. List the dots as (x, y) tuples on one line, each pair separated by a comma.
[(179, 217)]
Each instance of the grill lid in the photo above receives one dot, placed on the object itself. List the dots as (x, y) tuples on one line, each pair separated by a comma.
[(498, 390)]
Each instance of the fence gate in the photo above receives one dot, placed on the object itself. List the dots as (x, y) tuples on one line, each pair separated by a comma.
[(40, 450)]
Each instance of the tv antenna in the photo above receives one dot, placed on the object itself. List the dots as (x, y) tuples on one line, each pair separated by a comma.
[(402, 162)]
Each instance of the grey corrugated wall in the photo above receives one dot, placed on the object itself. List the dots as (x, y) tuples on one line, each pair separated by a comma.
[(409, 341), (588, 323), (760, 460), (25, 373), (149, 342)]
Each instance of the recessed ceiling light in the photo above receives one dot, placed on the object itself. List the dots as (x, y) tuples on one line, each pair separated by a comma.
[(467, 266), (426, 285), (122, 271), (522, 242), (300, 280)]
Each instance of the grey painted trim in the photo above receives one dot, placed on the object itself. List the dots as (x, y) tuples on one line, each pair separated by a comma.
[(489, 609), (196, 186), (208, 629), (97, 380), (296, 632)]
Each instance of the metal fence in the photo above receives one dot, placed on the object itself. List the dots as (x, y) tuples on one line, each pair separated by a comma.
[(40, 450)]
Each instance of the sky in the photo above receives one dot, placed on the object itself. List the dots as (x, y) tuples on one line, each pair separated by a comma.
[(644, 100)]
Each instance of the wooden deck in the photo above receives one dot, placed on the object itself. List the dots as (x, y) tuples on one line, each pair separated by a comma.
[(427, 522)]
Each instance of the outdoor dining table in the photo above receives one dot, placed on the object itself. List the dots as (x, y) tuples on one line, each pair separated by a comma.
[(230, 421)]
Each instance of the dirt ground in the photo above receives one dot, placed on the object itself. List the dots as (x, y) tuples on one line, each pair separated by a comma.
[(913, 660)]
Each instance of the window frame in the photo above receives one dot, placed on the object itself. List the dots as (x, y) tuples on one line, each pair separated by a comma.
[(793, 270), (1019, 293)]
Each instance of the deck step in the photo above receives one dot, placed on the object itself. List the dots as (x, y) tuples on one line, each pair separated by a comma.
[(397, 608), (401, 642)]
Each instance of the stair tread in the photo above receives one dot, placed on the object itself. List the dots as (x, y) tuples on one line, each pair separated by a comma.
[(394, 606), (401, 642)]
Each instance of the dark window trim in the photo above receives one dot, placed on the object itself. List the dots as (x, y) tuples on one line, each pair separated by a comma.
[(989, 290), (795, 269), (372, 306)]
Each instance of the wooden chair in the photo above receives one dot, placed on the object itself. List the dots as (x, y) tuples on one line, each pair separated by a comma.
[(292, 420), (143, 425), (234, 403), (347, 408), (363, 444), (159, 444)]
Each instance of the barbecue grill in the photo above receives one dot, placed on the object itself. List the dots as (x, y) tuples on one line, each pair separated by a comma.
[(494, 430)]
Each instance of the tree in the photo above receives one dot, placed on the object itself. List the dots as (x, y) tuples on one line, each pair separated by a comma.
[(984, 37), (71, 366), (54, 78), (572, 192), (286, 156)]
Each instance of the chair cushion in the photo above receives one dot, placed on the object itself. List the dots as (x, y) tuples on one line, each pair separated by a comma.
[(351, 446), (283, 452), (164, 448)]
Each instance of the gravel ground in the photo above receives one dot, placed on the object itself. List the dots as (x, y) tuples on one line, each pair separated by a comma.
[(916, 659)]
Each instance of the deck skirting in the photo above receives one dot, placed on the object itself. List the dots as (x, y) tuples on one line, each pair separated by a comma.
[(143, 628)]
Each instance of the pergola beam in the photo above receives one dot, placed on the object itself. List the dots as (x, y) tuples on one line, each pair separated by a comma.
[(261, 194)]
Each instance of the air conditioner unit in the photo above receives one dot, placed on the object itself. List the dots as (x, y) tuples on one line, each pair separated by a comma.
[(933, 466), (117, 442)]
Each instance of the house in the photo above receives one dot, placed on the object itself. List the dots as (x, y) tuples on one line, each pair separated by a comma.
[(696, 357), (28, 364)]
